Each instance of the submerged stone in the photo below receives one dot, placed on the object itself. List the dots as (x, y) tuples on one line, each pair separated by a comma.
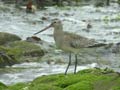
[(19, 51)]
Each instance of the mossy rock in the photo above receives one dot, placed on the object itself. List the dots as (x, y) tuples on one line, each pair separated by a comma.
[(7, 57), (43, 87), (6, 38), (18, 86), (116, 88), (27, 48), (3, 86), (19, 51), (83, 85), (84, 80)]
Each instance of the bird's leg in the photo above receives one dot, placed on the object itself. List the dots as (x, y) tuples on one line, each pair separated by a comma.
[(75, 64), (68, 64)]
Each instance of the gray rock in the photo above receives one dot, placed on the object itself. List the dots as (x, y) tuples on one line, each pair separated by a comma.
[(6, 38)]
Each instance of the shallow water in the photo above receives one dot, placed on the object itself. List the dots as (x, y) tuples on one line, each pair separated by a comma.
[(26, 25)]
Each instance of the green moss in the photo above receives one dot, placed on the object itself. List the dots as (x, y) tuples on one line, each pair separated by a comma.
[(116, 88), (6, 57), (14, 51), (3, 86), (10, 51), (73, 79), (117, 83), (52, 79), (43, 87), (83, 80), (23, 45), (27, 48), (107, 83), (83, 85), (18, 86)]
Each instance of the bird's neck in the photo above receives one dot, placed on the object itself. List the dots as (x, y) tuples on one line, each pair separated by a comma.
[(58, 36), (58, 28)]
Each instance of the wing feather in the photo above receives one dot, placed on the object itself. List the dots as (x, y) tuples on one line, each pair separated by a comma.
[(77, 41)]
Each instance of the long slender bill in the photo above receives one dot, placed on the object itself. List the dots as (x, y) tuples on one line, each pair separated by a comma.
[(43, 29)]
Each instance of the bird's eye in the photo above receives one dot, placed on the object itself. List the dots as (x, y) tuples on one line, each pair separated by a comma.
[(54, 22)]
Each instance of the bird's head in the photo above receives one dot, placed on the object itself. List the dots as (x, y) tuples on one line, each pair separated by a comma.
[(56, 23)]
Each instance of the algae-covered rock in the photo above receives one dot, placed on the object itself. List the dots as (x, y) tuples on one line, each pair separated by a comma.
[(44, 87), (7, 56), (19, 51), (19, 86), (83, 85), (83, 80), (6, 38), (27, 48), (3, 86)]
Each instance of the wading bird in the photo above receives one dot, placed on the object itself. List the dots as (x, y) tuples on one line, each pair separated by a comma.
[(70, 42)]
